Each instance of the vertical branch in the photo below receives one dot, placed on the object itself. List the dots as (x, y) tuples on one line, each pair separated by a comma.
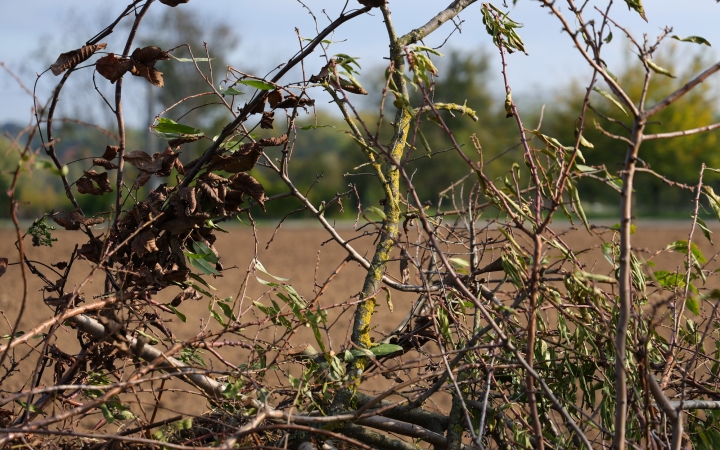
[(625, 304), (121, 118), (389, 232), (537, 256)]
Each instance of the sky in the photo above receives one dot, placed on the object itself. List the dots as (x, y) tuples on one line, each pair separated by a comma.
[(34, 32)]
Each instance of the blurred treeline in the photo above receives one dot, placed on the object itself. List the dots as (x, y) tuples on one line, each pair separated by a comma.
[(325, 160)]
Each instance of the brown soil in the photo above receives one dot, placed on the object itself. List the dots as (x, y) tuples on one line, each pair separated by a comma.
[(298, 253)]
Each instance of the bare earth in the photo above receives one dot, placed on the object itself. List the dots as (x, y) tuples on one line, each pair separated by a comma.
[(297, 253)]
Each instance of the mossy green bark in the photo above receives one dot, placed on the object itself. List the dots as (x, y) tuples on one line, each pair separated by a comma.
[(364, 312)]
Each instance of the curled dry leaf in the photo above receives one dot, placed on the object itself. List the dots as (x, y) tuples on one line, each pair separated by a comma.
[(112, 67), (142, 161), (267, 120), (148, 56), (372, 3), (274, 98), (144, 243), (184, 140), (151, 74), (322, 75), (173, 3), (241, 161), (111, 152), (91, 250), (248, 185), (292, 101), (73, 220), (71, 59), (187, 294), (86, 184), (259, 108), (3, 266), (274, 141), (104, 163), (142, 179), (348, 86)]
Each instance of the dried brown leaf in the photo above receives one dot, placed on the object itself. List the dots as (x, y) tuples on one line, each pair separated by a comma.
[(100, 178), (233, 197), (187, 294), (142, 179), (248, 185), (259, 108), (149, 55), (372, 3), (151, 74), (240, 161), (184, 140), (3, 266), (144, 243), (65, 220), (176, 274), (111, 152), (141, 160), (91, 250), (71, 59), (274, 141), (173, 3), (267, 120), (168, 159), (112, 68), (73, 220), (322, 76), (292, 101), (274, 98), (104, 163)]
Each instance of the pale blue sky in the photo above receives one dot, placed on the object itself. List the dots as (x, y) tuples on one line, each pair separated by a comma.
[(28, 27)]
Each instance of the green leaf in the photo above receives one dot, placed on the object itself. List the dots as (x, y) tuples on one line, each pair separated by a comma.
[(217, 317), (616, 227), (657, 69), (608, 38), (227, 310), (124, 415), (230, 91), (202, 249), (261, 268), (692, 304), (377, 211), (693, 39), (203, 266), (184, 424), (190, 59), (706, 231), (257, 84), (385, 349), (180, 315), (107, 414), (638, 7), (681, 246), (169, 129), (610, 97), (197, 278)]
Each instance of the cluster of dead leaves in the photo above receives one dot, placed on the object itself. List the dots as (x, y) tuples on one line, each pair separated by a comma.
[(157, 230), (141, 64), (160, 164), (276, 100)]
